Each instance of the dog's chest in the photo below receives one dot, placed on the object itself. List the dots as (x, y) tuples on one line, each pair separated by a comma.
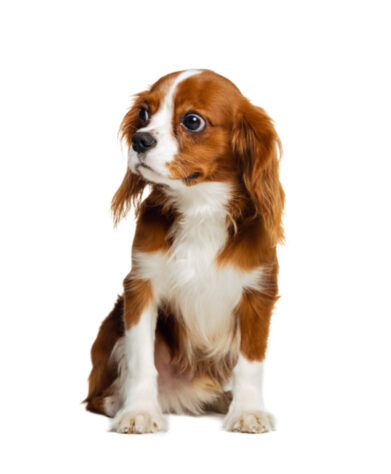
[(199, 290), (194, 279)]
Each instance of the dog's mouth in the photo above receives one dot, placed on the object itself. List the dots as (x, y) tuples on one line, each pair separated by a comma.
[(140, 167), (188, 180), (143, 165), (149, 174)]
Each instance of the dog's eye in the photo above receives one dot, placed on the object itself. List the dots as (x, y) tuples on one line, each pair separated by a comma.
[(193, 122), (143, 115)]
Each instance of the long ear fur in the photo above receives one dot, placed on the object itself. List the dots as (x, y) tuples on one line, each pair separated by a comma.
[(128, 193), (132, 186), (256, 145)]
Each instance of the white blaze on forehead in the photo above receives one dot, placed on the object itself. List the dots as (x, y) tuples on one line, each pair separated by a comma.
[(168, 102), (160, 127), (163, 117), (180, 78)]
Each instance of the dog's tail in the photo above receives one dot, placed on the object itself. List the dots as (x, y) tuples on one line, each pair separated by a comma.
[(104, 371)]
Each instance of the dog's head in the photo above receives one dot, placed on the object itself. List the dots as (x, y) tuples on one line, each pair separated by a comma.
[(195, 126)]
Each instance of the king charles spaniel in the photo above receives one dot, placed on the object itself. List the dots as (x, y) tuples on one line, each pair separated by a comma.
[(189, 333)]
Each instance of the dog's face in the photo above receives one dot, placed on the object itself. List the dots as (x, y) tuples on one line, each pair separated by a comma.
[(183, 128), (195, 126)]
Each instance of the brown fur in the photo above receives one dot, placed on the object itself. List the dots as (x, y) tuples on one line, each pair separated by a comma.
[(256, 145), (104, 373), (254, 312), (130, 191), (205, 376), (153, 225), (239, 146), (137, 295)]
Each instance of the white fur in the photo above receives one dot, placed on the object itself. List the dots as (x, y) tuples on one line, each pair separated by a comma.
[(140, 411), (203, 293), (177, 393), (160, 126), (247, 411)]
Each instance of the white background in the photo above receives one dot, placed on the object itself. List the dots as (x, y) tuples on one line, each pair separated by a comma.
[(321, 70)]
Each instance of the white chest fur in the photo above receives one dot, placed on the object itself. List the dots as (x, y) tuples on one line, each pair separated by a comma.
[(202, 292)]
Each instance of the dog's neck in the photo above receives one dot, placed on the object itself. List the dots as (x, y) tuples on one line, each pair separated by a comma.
[(202, 216), (207, 200)]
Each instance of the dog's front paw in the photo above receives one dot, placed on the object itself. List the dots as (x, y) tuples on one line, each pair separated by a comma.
[(139, 422), (249, 422)]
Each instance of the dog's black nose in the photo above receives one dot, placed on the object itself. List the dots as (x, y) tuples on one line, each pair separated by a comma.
[(142, 141)]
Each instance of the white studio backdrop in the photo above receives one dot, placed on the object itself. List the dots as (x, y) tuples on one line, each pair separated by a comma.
[(322, 71)]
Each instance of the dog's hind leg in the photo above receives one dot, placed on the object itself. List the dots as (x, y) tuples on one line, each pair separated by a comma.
[(102, 394)]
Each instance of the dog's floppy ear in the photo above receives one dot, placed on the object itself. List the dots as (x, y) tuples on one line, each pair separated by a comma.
[(256, 146), (132, 186)]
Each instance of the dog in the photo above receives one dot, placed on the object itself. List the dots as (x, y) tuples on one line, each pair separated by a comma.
[(189, 333)]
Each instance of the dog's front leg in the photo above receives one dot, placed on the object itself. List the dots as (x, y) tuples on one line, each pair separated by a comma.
[(247, 412), (141, 412)]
